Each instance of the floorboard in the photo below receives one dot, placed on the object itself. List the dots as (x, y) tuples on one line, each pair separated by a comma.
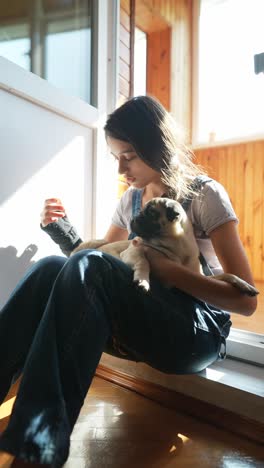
[(118, 428)]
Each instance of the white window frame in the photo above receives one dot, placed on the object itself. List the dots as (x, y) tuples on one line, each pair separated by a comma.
[(241, 344), (29, 86)]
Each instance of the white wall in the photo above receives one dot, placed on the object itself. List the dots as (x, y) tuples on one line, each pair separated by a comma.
[(42, 154), (52, 144)]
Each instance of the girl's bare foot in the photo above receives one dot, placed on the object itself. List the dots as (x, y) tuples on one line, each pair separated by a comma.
[(6, 459)]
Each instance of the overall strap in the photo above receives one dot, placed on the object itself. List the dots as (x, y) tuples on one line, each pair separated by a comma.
[(136, 207), (197, 185)]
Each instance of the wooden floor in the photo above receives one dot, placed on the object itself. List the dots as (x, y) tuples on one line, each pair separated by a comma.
[(255, 323), (118, 428)]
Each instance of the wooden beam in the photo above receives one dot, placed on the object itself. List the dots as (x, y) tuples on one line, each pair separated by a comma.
[(132, 45)]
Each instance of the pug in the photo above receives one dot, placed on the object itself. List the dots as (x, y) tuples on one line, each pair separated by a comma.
[(162, 225)]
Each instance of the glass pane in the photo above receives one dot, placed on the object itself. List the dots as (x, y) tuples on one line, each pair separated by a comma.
[(52, 38), (15, 32), (230, 34), (70, 71)]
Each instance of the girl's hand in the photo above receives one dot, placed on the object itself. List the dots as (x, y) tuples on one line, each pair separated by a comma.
[(52, 211), (159, 265)]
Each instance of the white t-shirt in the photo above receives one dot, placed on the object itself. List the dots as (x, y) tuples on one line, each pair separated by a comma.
[(208, 210)]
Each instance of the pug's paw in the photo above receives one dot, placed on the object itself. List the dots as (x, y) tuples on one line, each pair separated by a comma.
[(238, 283), (143, 284), (246, 288)]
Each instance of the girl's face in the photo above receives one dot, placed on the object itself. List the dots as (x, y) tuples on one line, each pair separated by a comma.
[(130, 166)]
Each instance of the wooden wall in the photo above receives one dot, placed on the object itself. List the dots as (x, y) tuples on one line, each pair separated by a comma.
[(240, 168), (124, 52), (153, 16), (159, 66), (168, 27)]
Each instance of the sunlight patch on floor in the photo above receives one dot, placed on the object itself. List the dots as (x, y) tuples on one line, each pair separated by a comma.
[(183, 437), (6, 408)]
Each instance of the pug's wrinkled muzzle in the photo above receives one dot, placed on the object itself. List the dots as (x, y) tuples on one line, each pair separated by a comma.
[(144, 227)]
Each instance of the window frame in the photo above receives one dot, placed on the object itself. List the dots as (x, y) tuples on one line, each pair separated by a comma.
[(21, 83), (37, 33)]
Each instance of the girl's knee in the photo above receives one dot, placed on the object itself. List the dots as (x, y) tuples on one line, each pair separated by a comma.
[(50, 264), (92, 265), (88, 257)]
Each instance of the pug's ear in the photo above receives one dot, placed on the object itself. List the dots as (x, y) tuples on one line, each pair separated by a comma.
[(171, 213)]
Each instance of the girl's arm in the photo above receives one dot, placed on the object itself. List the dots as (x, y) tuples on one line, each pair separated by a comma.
[(115, 233), (56, 224), (232, 256)]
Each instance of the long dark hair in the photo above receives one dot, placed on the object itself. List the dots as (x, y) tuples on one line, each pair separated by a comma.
[(144, 123)]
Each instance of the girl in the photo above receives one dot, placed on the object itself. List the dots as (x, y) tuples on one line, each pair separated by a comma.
[(65, 312)]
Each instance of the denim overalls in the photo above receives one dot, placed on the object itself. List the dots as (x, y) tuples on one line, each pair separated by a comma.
[(60, 318)]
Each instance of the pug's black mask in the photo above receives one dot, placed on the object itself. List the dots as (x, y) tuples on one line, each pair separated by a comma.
[(153, 219)]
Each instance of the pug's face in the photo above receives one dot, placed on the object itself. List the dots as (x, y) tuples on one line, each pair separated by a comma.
[(158, 218)]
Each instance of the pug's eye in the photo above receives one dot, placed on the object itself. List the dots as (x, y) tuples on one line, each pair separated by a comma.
[(171, 213)]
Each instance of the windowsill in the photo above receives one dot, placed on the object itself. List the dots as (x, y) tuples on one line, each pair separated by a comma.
[(26, 85), (228, 142), (235, 386), (240, 375)]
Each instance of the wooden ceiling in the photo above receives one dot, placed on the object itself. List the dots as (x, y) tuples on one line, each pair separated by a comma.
[(146, 18), (157, 15)]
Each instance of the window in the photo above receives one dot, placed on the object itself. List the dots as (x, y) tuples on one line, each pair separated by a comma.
[(52, 38), (140, 63), (229, 105), (230, 95), (15, 44)]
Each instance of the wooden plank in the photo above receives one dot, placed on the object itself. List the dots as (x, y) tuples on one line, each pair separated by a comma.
[(124, 36), (125, 39), (125, 5), (124, 53), (165, 69), (248, 204), (158, 66), (238, 183), (124, 70), (123, 86), (162, 13), (124, 19), (153, 75), (257, 209), (240, 168), (132, 45)]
